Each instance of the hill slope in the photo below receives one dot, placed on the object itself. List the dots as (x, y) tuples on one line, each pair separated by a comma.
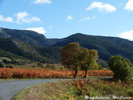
[(106, 46), (15, 49), (27, 36), (35, 46)]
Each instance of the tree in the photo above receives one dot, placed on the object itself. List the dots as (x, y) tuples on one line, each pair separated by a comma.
[(40, 64), (121, 67), (75, 57), (70, 55), (5, 61), (2, 65), (89, 60)]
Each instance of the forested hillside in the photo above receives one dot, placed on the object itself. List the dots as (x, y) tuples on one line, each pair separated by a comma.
[(16, 49), (31, 45), (106, 46)]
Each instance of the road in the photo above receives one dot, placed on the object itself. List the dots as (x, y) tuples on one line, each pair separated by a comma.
[(10, 88)]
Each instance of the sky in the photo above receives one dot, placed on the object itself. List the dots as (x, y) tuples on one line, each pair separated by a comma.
[(61, 18)]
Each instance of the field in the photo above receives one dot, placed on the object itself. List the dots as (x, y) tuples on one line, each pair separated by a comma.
[(8, 73), (100, 86)]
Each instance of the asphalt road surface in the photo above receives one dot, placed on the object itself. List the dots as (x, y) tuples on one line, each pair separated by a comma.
[(8, 89)]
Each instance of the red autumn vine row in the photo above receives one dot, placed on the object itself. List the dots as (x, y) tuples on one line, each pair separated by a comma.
[(41, 73)]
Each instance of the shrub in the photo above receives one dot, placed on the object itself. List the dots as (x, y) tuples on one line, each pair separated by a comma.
[(130, 92), (121, 67), (5, 61), (9, 66), (2, 65), (40, 64), (50, 66)]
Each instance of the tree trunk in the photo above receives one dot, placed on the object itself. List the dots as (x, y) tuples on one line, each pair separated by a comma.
[(76, 72), (86, 70)]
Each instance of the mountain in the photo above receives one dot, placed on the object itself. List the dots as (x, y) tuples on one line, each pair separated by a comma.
[(23, 44), (27, 36), (16, 49), (31, 45), (106, 46)]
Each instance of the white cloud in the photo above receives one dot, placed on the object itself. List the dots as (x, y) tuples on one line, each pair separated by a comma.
[(102, 7), (129, 5), (40, 30), (127, 35), (69, 17), (24, 17), (8, 19), (87, 18), (42, 2), (21, 15)]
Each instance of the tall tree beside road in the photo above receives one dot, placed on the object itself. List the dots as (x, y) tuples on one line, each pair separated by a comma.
[(74, 57), (70, 55), (89, 60)]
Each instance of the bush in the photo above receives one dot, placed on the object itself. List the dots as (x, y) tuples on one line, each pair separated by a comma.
[(9, 66), (40, 64), (121, 67), (50, 66), (130, 92), (2, 65), (5, 61)]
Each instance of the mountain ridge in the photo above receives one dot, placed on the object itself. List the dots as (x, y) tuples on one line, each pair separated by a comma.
[(27, 36), (106, 46), (40, 48)]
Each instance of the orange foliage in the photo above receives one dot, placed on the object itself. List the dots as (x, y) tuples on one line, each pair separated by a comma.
[(41, 73)]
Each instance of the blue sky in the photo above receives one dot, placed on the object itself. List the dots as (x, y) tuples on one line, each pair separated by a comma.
[(61, 18)]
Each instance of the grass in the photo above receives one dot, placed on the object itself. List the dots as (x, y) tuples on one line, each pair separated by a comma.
[(103, 88), (77, 90), (14, 79), (45, 91), (21, 94)]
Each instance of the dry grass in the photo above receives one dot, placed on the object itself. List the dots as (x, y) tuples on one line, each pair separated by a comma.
[(45, 91), (76, 90)]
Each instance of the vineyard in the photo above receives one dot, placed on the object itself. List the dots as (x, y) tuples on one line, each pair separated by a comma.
[(8, 73)]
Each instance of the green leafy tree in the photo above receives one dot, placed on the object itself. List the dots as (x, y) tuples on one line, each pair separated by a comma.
[(121, 67), (2, 65), (89, 60), (70, 55)]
